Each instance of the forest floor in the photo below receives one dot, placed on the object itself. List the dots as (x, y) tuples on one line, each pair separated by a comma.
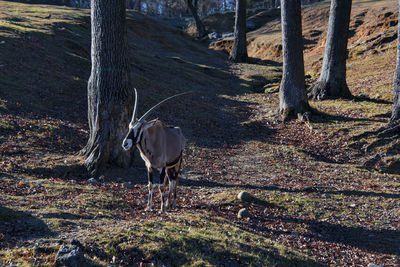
[(326, 193)]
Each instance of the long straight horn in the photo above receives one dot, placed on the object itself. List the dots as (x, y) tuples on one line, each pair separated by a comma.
[(159, 104), (135, 108)]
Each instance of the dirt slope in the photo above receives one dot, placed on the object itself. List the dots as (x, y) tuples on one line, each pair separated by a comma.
[(372, 27)]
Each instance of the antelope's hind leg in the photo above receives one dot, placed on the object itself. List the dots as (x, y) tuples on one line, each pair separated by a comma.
[(176, 173), (150, 187), (170, 177), (163, 183), (173, 179)]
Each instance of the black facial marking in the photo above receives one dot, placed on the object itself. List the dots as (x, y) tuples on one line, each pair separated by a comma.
[(131, 136)]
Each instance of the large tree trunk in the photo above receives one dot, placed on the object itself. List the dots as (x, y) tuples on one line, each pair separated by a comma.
[(199, 25), (332, 82), (110, 97), (292, 93), (239, 50)]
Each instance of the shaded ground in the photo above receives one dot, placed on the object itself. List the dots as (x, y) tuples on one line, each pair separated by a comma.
[(318, 203)]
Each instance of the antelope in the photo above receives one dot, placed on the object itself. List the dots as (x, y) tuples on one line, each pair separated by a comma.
[(160, 148)]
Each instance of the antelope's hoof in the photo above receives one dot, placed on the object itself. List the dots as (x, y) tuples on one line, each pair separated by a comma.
[(148, 209)]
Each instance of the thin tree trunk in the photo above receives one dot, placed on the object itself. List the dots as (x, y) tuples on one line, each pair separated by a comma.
[(292, 93), (239, 49), (138, 5), (110, 97), (332, 82), (395, 119), (199, 25)]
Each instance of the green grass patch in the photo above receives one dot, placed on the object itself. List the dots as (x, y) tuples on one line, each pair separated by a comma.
[(201, 240)]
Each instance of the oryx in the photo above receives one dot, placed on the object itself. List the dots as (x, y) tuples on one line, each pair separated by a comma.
[(161, 149)]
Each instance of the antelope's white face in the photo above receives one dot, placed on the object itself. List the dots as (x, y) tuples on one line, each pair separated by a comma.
[(132, 136)]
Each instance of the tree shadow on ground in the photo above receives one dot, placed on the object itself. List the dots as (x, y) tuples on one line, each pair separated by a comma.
[(328, 190), (264, 62), (185, 181), (362, 98), (322, 117), (63, 171), (381, 240), (65, 216), (19, 225)]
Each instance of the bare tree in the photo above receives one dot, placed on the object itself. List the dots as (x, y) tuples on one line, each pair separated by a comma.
[(393, 128), (193, 7), (332, 82), (292, 93), (110, 97), (239, 49)]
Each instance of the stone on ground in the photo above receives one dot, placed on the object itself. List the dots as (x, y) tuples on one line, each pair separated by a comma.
[(243, 213), (245, 196)]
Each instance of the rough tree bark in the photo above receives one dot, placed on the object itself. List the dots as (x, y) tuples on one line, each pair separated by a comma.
[(199, 25), (332, 82), (395, 118), (292, 92), (239, 49), (110, 98)]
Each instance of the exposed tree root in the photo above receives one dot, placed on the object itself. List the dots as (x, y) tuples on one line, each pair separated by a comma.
[(390, 131)]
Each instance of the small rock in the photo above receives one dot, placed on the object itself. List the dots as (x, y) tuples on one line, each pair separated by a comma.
[(243, 213), (92, 180), (353, 205), (127, 185), (327, 195), (295, 234), (70, 256), (245, 196)]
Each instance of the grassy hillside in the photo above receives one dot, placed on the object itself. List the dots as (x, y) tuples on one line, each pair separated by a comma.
[(320, 198)]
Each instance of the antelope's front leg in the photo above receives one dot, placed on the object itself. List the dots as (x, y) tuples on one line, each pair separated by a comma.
[(150, 187)]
